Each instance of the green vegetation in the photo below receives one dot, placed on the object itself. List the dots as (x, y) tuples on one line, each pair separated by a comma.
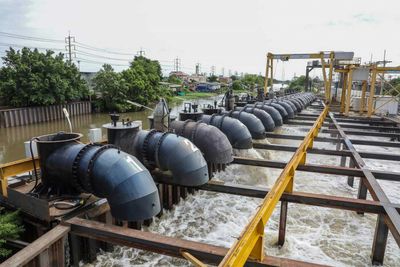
[(298, 83), (212, 79), (138, 83), (192, 95), (392, 87), (174, 79), (10, 228), (30, 78)]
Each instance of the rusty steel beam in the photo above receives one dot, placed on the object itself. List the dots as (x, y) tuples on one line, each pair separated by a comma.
[(305, 198), (348, 126), (326, 169), (391, 216), (163, 244), (363, 133), (331, 152), (335, 140)]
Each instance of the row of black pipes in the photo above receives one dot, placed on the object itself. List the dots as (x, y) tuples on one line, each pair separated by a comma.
[(119, 171)]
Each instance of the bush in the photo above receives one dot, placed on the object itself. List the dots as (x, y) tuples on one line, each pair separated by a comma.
[(10, 228), (31, 78)]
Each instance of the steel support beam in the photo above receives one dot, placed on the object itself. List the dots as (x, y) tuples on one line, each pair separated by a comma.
[(162, 244), (392, 216)]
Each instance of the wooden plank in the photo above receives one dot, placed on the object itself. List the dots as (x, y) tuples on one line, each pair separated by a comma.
[(162, 244), (34, 249)]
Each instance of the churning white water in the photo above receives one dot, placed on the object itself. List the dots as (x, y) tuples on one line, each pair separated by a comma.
[(328, 236)]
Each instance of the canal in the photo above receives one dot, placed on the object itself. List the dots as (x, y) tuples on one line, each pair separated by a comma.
[(12, 139)]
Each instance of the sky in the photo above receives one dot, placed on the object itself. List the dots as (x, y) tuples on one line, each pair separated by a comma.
[(228, 34)]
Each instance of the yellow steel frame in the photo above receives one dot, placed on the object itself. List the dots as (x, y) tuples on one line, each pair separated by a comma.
[(327, 78), (15, 168), (375, 71), (251, 241)]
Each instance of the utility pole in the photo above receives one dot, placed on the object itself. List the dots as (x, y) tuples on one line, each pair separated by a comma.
[(197, 68), (177, 64), (69, 46), (141, 52)]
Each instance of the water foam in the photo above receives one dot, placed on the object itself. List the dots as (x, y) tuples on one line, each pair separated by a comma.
[(321, 235)]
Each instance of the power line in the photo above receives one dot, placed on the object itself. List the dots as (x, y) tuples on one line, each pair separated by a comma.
[(25, 37), (31, 47), (89, 47), (100, 56)]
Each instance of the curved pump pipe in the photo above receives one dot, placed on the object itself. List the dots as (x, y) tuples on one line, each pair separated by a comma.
[(210, 140), (276, 116), (166, 151), (236, 132), (255, 126), (262, 115), (70, 167), (287, 107), (280, 109)]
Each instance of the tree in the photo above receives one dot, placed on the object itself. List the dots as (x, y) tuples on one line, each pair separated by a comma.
[(237, 85), (212, 79), (174, 79), (10, 228), (30, 78), (142, 80), (298, 83), (112, 88)]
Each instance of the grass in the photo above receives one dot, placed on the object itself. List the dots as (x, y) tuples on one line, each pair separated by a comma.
[(192, 95)]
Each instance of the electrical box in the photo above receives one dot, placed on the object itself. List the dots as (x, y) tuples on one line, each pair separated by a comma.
[(360, 74), (344, 55)]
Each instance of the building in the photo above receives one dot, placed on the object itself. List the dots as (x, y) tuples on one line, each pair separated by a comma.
[(207, 87), (181, 75), (197, 78)]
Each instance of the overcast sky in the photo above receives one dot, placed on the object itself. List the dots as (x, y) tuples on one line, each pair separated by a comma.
[(234, 35)]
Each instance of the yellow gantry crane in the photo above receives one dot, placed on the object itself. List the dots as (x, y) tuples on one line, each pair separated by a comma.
[(332, 56), (366, 75)]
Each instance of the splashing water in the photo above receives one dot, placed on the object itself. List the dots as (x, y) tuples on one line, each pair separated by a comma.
[(328, 236)]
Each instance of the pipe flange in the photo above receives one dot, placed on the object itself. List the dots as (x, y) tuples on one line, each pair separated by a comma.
[(212, 118), (222, 120), (87, 179), (193, 133), (146, 160), (163, 136), (75, 167), (185, 123)]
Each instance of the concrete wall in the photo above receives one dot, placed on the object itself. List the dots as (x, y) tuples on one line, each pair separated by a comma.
[(22, 116)]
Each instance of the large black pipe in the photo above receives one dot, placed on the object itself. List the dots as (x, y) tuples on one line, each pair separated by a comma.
[(262, 115), (210, 140), (288, 109), (68, 166), (276, 116), (280, 109), (166, 151), (255, 126), (236, 132)]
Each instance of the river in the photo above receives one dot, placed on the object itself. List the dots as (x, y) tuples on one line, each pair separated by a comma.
[(315, 234)]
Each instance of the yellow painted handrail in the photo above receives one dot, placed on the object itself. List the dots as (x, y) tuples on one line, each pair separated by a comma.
[(251, 241)]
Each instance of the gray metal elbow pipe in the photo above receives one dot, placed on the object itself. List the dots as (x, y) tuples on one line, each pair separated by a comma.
[(262, 115), (281, 110), (292, 106), (276, 116), (287, 107), (165, 151), (236, 132), (209, 139), (255, 126), (72, 167)]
